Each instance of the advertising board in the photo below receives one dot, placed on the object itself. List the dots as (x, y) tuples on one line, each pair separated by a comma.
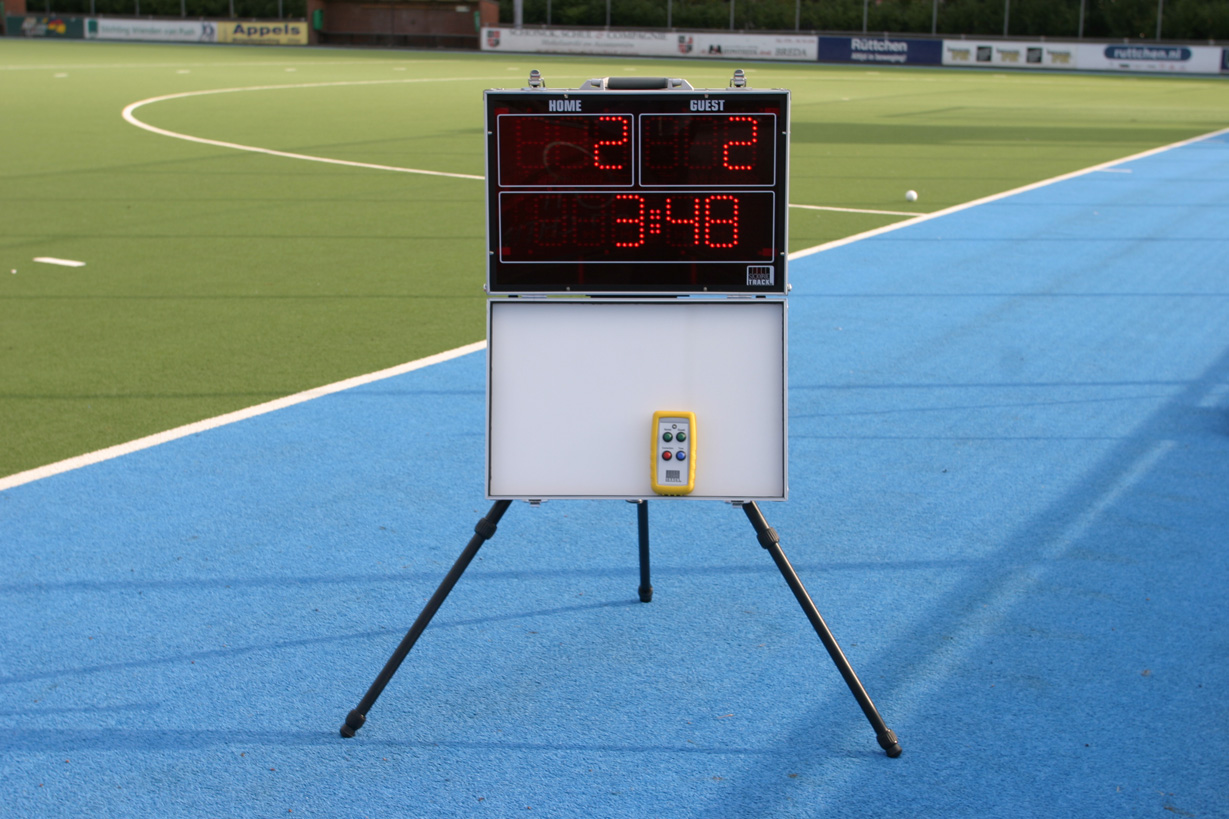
[(263, 32), (880, 50), (1010, 54), (748, 46), (1151, 58), (44, 25), (162, 31), (713, 45)]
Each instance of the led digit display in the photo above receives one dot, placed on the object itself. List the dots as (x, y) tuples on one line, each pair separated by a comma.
[(612, 191), (708, 149), (647, 227), (565, 151)]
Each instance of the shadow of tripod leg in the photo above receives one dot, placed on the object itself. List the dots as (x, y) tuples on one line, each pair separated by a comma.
[(483, 531), (768, 538)]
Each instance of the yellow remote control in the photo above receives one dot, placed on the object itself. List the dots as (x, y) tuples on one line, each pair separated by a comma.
[(674, 452)]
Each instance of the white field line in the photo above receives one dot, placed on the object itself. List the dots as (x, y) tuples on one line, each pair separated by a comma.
[(260, 409), (60, 262), (230, 418), (1104, 166), (129, 116)]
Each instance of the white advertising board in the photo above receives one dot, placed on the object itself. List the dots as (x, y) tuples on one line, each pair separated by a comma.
[(651, 43), (1150, 58), (573, 385), (1008, 54), (1084, 56), (167, 31)]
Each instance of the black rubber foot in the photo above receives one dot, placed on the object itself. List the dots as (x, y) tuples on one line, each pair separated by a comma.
[(887, 741), (646, 594), (354, 721)]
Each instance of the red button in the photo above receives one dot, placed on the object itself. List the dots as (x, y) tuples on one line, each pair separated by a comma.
[(665, 456)]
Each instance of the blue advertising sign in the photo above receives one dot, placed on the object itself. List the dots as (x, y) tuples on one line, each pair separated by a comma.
[(880, 50)]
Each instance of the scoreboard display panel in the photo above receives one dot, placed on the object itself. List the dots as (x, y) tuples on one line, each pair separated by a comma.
[(611, 191)]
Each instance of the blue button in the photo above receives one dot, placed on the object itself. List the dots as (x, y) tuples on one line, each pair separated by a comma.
[(681, 455)]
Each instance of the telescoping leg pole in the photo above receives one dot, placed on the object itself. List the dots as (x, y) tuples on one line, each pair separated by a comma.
[(482, 533), (642, 525), (768, 538)]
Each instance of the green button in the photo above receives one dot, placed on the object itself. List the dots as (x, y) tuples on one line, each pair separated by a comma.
[(682, 436), (667, 437)]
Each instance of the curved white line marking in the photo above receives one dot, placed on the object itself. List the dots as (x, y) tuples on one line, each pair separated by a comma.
[(130, 117)]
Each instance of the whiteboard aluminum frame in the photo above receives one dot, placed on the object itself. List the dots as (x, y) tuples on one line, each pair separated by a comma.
[(572, 385)]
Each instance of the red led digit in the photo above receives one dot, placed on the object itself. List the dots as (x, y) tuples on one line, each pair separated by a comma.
[(725, 149), (694, 221), (624, 139), (638, 221), (710, 220), (591, 227)]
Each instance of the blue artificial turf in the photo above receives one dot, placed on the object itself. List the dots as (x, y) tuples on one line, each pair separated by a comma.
[(1009, 437)]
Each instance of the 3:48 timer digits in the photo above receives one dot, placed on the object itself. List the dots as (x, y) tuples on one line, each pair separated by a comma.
[(644, 226)]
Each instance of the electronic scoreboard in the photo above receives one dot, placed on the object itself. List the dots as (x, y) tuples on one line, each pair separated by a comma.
[(650, 192)]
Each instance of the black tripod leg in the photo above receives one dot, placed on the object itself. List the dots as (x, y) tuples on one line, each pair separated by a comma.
[(482, 532), (642, 520), (768, 538)]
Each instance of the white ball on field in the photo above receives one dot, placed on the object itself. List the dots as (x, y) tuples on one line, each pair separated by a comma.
[(910, 196)]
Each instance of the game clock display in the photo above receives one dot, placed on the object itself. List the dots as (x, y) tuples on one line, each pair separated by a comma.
[(600, 191)]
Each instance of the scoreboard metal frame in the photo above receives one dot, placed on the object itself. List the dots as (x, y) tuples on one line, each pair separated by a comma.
[(661, 192)]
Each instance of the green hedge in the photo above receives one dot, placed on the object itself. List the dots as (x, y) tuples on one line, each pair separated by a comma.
[(1198, 20)]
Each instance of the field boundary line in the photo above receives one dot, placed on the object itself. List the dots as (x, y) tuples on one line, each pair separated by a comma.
[(207, 424), (130, 118), (985, 200)]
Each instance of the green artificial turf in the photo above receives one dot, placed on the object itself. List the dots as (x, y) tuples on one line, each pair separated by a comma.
[(217, 279)]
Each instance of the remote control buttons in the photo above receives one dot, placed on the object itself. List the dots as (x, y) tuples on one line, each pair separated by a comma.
[(665, 456)]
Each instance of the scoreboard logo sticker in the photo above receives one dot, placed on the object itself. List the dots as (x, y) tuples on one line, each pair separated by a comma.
[(759, 275)]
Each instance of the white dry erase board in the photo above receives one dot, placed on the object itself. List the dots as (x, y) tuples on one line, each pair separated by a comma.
[(572, 385)]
